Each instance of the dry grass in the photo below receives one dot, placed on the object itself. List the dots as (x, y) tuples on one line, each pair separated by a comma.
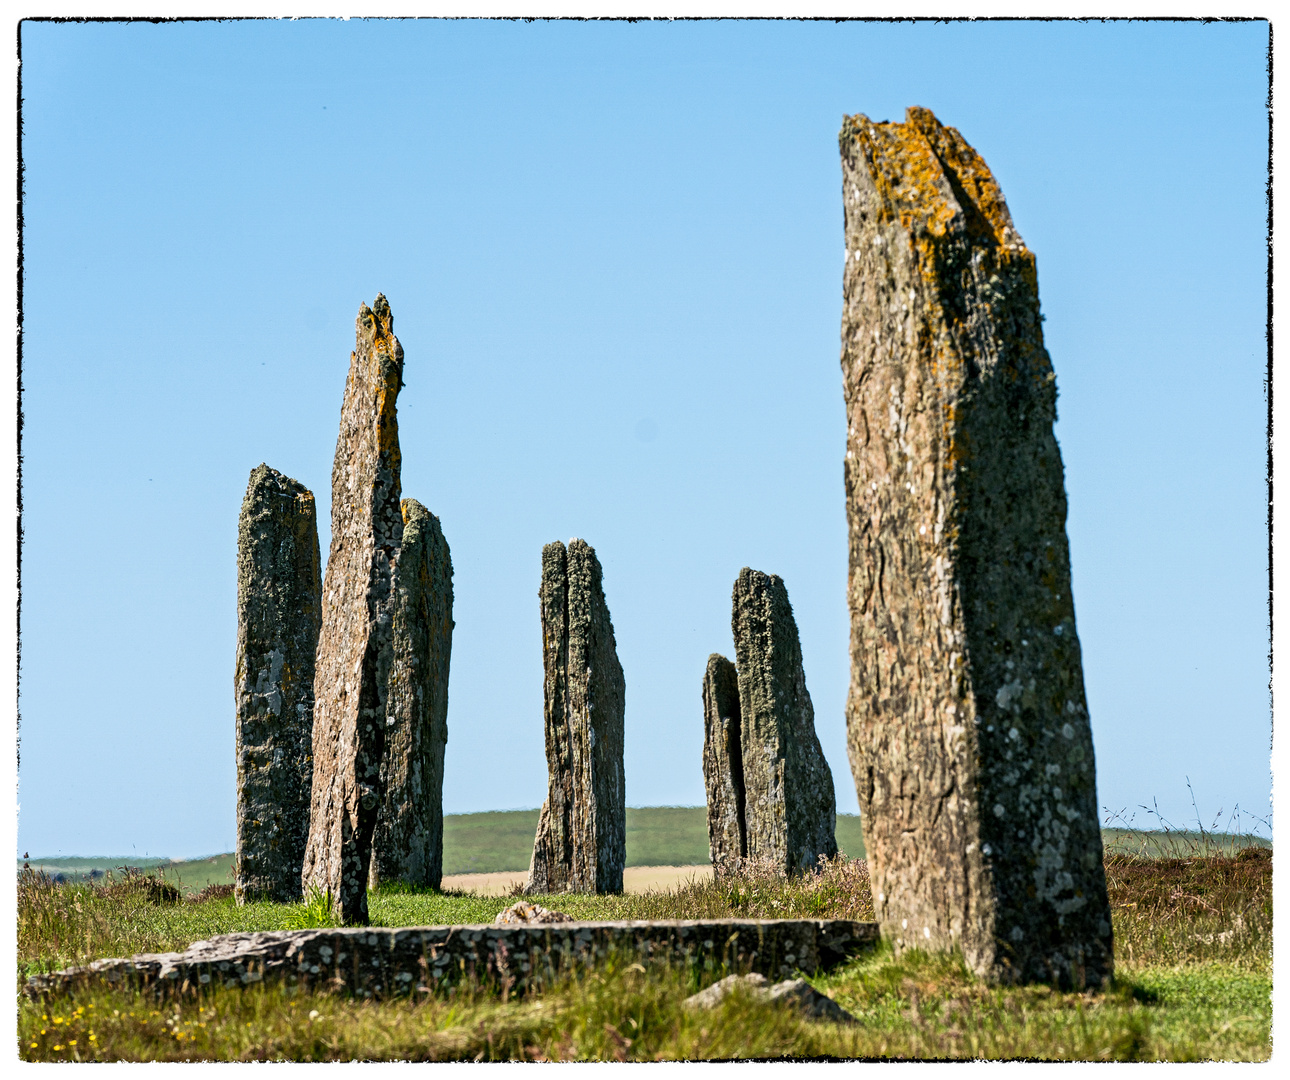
[(1200, 908)]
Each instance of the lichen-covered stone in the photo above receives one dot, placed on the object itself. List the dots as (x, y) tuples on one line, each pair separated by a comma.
[(408, 843), (355, 649), (381, 962), (789, 805), (581, 842), (279, 611), (723, 767), (967, 724)]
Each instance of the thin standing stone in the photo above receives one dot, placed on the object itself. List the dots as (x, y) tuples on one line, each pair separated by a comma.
[(967, 724), (790, 806), (408, 844), (581, 842), (723, 767), (355, 649), (279, 611)]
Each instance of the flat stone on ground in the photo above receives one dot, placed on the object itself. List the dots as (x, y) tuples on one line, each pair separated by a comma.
[(798, 993), (381, 962)]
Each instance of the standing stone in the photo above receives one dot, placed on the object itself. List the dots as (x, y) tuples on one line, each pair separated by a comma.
[(967, 725), (581, 842), (279, 611), (788, 788), (723, 767), (355, 649), (408, 844)]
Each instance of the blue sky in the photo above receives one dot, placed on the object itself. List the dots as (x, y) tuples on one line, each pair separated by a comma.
[(614, 256)]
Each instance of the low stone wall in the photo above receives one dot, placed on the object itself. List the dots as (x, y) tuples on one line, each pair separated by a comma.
[(371, 961)]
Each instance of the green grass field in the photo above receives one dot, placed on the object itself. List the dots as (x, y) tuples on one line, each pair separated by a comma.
[(656, 836), (1193, 982)]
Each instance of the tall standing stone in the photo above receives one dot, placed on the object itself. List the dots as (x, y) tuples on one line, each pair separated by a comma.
[(279, 611), (967, 725), (355, 650), (408, 843), (581, 842), (790, 805), (723, 767)]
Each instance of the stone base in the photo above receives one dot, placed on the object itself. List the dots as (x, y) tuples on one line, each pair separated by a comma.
[(377, 962)]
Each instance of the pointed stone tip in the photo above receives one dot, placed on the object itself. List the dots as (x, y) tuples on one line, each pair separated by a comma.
[(263, 472), (414, 511)]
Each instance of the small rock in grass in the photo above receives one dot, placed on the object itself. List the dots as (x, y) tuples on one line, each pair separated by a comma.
[(810, 1001), (796, 992), (524, 912), (710, 997)]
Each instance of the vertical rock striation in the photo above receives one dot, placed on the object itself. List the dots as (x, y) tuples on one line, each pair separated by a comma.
[(967, 725), (278, 616), (723, 767), (408, 843), (355, 649), (581, 842), (790, 806)]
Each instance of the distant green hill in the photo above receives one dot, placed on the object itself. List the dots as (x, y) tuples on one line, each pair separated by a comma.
[(656, 836), (192, 874), (480, 843)]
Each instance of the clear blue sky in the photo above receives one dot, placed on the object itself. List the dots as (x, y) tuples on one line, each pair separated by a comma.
[(614, 256)]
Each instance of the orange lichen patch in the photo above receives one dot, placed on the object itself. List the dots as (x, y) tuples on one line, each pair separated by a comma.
[(906, 172), (969, 170), (925, 171)]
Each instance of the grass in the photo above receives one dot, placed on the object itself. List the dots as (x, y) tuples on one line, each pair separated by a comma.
[(1193, 955), (480, 843), (656, 836)]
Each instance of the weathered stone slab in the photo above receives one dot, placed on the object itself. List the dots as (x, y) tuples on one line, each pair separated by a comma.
[(408, 842), (723, 767), (790, 806), (355, 649), (385, 962), (279, 611), (967, 723), (581, 842)]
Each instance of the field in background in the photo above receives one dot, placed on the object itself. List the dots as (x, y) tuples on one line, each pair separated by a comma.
[(484, 843), (663, 836)]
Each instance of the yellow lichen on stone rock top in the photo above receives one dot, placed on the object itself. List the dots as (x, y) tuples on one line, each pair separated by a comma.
[(918, 164)]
